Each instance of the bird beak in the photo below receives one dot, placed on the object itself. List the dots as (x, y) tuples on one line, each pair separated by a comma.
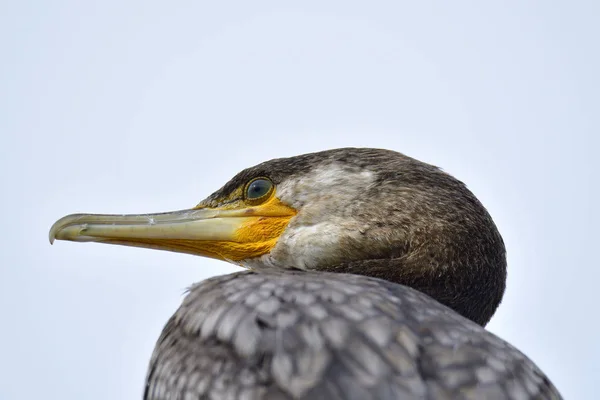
[(226, 234)]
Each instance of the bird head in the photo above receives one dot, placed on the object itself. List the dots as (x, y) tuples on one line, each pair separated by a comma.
[(364, 211)]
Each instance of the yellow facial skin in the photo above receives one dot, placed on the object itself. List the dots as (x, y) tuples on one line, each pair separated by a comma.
[(255, 235), (239, 230)]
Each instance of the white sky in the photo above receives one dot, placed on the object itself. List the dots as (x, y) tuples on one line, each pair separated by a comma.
[(124, 107)]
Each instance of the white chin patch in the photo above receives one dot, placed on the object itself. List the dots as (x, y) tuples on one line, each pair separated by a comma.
[(322, 198)]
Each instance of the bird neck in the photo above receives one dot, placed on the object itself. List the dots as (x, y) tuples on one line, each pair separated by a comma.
[(475, 293)]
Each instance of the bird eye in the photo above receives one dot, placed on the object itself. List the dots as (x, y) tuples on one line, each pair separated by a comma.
[(258, 189)]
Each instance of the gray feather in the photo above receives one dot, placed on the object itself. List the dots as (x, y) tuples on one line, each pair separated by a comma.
[(305, 335)]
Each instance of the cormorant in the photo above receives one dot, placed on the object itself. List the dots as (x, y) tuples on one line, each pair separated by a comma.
[(370, 276)]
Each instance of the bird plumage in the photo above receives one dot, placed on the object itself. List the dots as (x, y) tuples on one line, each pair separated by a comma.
[(372, 276), (316, 335)]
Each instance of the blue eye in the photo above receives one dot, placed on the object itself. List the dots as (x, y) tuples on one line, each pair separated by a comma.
[(259, 188)]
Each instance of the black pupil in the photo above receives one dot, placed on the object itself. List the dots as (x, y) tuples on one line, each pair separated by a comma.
[(258, 188)]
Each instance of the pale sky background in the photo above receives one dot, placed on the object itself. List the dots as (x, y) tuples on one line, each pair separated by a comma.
[(127, 107)]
